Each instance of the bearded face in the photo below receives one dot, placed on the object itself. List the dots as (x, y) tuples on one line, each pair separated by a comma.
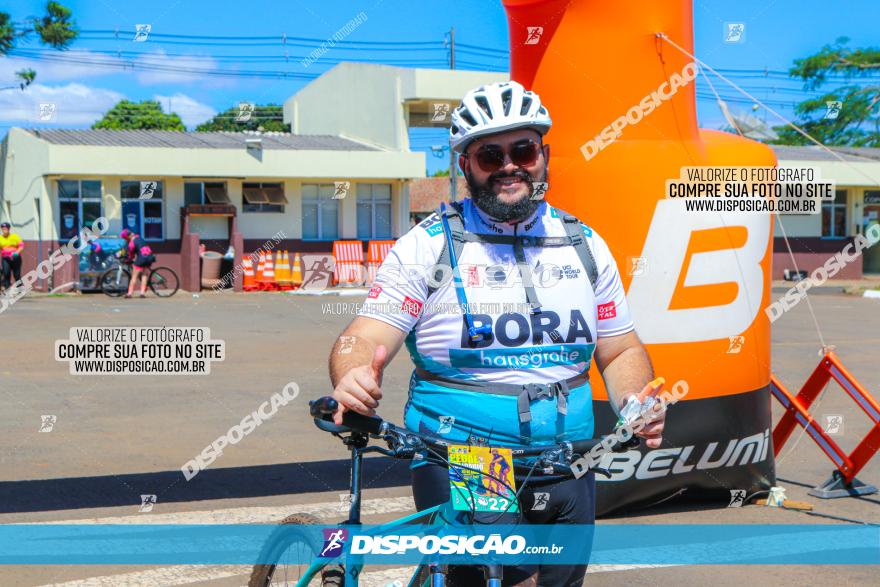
[(501, 172)]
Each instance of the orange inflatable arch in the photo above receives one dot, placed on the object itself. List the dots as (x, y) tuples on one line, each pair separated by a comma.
[(696, 282)]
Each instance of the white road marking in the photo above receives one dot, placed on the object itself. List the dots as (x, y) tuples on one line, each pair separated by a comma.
[(177, 575), (617, 568), (189, 574)]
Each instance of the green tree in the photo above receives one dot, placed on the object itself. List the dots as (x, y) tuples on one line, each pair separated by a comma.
[(267, 117), (26, 77), (56, 29), (146, 115), (7, 33), (857, 123), (441, 173)]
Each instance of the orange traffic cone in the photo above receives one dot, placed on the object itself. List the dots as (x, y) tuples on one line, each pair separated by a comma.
[(250, 280), (261, 266), (269, 273), (282, 273), (296, 276)]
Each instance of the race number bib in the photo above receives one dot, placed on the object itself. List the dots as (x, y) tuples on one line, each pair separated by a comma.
[(481, 479)]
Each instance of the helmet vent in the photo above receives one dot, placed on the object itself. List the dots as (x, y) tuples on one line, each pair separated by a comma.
[(505, 101), (526, 104), (483, 103), (468, 117)]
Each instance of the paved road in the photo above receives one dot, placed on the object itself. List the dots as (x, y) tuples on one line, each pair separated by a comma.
[(116, 437)]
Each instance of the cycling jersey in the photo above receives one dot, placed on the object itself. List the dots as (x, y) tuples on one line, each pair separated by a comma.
[(139, 253), (553, 345), (9, 244)]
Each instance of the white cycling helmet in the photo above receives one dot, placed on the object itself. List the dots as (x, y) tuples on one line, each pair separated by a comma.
[(496, 108)]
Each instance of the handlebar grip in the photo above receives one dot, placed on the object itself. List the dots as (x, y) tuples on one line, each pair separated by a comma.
[(361, 423), (324, 407), (633, 442)]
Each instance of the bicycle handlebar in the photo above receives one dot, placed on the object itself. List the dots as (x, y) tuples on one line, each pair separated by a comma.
[(322, 410)]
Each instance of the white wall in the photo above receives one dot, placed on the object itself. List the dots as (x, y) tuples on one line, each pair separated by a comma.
[(25, 162), (799, 225), (358, 100)]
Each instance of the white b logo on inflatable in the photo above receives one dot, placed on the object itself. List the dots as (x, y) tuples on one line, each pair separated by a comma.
[(676, 266)]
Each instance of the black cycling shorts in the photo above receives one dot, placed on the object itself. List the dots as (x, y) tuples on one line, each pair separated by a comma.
[(572, 501), (144, 261)]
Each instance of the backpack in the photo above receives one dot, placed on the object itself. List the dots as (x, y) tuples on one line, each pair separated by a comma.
[(574, 237)]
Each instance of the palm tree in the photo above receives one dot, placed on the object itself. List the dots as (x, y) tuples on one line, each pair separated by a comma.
[(56, 29)]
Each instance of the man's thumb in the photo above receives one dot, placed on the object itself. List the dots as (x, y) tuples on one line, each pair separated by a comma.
[(380, 355)]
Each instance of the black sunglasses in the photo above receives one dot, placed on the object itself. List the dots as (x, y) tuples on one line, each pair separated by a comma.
[(490, 158)]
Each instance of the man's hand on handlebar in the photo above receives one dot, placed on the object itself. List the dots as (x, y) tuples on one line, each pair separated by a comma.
[(359, 390)]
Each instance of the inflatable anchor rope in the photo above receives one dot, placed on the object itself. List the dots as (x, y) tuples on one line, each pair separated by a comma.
[(842, 481), (804, 133)]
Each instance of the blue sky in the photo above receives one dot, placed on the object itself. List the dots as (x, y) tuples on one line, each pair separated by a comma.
[(776, 33)]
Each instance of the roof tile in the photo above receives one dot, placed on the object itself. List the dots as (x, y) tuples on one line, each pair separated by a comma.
[(195, 140)]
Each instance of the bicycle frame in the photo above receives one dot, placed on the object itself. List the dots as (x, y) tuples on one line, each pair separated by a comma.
[(353, 566), (119, 268), (403, 446)]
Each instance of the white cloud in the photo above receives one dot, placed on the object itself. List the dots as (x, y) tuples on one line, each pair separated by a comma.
[(191, 111), (78, 64), (192, 69), (75, 104), (59, 71)]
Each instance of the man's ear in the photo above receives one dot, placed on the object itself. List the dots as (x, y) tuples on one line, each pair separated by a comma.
[(463, 163), (547, 153)]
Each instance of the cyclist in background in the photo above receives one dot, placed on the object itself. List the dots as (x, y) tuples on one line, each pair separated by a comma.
[(141, 257), (11, 247)]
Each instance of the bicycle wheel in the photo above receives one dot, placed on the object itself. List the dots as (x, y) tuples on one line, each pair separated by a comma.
[(286, 548), (164, 282), (113, 287)]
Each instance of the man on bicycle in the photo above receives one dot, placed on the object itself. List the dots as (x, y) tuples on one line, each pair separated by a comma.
[(138, 253), (544, 300)]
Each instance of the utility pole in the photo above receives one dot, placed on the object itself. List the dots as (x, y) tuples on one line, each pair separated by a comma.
[(452, 48), (453, 180)]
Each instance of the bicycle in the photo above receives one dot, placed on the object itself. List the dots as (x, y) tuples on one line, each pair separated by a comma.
[(162, 281), (355, 433)]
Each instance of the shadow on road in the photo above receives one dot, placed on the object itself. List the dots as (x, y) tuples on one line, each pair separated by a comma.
[(171, 486)]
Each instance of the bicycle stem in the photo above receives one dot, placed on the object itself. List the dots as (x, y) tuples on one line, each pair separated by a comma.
[(356, 444)]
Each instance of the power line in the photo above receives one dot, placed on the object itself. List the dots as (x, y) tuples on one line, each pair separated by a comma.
[(140, 56), (282, 38), (110, 58)]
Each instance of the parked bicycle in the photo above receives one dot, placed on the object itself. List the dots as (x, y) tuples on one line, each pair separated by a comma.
[(162, 281), (291, 544)]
